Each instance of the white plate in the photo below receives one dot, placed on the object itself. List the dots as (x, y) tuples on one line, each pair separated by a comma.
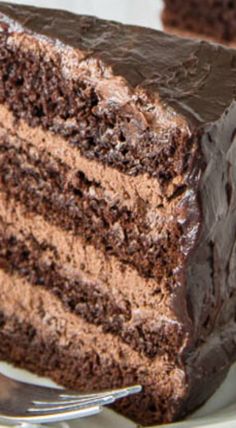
[(220, 410)]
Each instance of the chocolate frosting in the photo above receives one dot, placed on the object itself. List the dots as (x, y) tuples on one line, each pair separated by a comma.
[(196, 78)]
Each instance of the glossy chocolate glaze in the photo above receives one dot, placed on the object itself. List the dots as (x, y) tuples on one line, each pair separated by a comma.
[(195, 77), (196, 81), (211, 268)]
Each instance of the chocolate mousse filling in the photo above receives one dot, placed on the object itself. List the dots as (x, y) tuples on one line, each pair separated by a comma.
[(116, 185), (38, 318), (87, 299), (46, 187)]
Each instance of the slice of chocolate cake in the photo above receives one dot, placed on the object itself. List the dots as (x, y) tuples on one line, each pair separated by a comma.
[(205, 19), (117, 211)]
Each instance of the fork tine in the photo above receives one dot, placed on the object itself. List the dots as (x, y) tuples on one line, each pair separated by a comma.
[(119, 393), (109, 399), (129, 390), (65, 402), (53, 417), (84, 400)]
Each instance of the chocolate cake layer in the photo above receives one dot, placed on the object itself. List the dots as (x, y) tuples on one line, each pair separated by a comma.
[(70, 200), (95, 297), (42, 324), (94, 264), (133, 68), (117, 134), (210, 19), (117, 186), (34, 322), (142, 107)]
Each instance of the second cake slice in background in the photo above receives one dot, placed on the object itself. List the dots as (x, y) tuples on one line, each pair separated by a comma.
[(204, 19)]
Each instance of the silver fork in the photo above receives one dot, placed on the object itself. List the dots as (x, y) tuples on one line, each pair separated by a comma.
[(26, 403)]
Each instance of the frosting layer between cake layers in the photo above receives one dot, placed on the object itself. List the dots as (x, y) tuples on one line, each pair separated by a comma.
[(66, 238)]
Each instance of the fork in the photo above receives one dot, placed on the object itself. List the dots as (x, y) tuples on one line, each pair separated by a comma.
[(26, 403)]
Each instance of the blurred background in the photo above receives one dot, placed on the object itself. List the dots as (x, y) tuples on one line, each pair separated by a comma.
[(140, 12)]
